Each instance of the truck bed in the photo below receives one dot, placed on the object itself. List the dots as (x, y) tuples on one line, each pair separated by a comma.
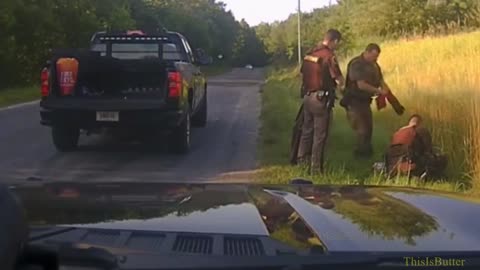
[(102, 77)]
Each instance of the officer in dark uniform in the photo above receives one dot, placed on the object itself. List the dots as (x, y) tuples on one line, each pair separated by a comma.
[(321, 76), (364, 81)]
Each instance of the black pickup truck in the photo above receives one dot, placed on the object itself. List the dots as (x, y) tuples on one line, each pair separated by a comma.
[(128, 81)]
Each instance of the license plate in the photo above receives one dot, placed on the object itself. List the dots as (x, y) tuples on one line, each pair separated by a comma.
[(107, 116)]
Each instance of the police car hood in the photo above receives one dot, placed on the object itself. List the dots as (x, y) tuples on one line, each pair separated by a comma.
[(333, 218)]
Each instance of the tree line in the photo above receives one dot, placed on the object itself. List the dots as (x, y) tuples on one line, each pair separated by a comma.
[(363, 21), (31, 28)]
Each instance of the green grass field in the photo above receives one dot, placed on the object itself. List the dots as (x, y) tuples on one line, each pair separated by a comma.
[(435, 77)]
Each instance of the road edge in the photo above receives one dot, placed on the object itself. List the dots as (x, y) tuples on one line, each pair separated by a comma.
[(19, 105)]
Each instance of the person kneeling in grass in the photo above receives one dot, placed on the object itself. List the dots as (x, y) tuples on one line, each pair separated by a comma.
[(411, 152)]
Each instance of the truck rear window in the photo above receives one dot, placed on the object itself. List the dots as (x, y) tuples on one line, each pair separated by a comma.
[(133, 51)]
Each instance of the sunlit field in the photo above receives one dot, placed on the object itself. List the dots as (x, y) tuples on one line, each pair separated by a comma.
[(438, 78)]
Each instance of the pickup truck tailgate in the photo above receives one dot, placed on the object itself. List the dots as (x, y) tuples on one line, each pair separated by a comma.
[(101, 77), (109, 78)]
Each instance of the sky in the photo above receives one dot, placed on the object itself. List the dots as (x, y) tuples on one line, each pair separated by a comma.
[(257, 11)]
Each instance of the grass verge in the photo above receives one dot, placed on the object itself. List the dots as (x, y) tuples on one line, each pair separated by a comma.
[(13, 96)]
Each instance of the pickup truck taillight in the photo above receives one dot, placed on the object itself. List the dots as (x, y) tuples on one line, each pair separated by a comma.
[(174, 84), (45, 87)]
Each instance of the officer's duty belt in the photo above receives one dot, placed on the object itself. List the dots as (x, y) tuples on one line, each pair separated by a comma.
[(318, 92)]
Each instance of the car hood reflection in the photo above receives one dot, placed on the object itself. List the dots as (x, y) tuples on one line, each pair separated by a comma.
[(336, 218)]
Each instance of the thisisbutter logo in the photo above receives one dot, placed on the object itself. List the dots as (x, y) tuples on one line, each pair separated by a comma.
[(433, 262)]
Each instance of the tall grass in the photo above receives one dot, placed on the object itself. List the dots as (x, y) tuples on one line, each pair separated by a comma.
[(280, 104), (439, 78), (436, 77)]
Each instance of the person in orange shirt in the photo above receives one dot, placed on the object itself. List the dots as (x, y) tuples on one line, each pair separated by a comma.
[(411, 152)]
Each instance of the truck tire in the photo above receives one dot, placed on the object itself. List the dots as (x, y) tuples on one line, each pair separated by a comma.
[(65, 139), (180, 137), (200, 118)]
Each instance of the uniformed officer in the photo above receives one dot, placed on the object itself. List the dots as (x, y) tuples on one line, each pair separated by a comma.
[(321, 75), (364, 81)]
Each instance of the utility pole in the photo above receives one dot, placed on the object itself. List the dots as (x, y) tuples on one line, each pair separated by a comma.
[(299, 35)]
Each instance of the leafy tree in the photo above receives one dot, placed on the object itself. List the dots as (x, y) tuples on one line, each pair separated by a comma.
[(247, 48), (363, 21), (30, 28)]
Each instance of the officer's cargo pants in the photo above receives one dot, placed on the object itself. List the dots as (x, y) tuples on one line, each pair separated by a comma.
[(359, 115), (315, 128)]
